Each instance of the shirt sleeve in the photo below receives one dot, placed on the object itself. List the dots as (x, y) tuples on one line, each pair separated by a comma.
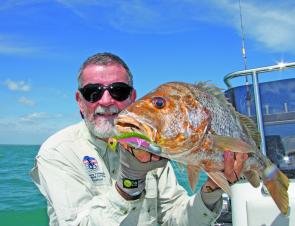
[(177, 208), (72, 199)]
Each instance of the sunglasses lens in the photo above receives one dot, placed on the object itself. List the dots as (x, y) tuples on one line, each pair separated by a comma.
[(92, 92), (120, 91)]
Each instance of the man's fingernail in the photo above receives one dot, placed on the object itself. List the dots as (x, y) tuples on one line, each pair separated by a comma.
[(228, 154), (245, 156)]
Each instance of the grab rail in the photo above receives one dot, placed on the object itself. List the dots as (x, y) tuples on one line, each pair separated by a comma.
[(277, 67), (257, 100)]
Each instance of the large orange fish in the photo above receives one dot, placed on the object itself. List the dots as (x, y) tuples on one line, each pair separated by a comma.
[(194, 124)]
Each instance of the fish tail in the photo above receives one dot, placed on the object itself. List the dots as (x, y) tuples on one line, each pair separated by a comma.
[(277, 184)]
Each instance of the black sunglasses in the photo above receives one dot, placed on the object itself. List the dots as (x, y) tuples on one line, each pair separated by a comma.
[(118, 90)]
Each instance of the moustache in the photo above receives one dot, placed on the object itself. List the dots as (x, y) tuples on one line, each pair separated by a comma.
[(111, 110)]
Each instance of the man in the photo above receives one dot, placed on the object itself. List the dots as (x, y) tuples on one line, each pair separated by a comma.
[(87, 184)]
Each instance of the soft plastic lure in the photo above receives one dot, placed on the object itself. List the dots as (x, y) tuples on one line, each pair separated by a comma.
[(135, 140)]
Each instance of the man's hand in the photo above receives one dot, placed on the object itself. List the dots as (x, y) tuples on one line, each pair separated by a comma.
[(132, 173), (233, 166)]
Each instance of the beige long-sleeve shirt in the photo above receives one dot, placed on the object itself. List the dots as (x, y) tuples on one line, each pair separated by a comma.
[(77, 173)]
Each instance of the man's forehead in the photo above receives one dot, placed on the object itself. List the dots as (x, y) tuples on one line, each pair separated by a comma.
[(103, 67), (104, 73)]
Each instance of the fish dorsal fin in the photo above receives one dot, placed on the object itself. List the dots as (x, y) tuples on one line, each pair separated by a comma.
[(214, 91), (193, 175), (219, 179), (251, 128)]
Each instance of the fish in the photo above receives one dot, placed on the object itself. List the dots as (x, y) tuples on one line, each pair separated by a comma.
[(194, 125)]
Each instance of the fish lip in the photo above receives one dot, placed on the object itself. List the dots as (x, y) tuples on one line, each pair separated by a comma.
[(129, 122)]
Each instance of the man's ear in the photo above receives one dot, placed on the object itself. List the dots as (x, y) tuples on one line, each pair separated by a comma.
[(133, 95), (79, 101)]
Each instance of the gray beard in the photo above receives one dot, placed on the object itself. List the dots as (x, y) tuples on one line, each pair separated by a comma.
[(105, 129)]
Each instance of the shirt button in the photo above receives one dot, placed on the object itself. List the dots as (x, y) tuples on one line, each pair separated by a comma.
[(124, 211), (133, 208), (205, 214)]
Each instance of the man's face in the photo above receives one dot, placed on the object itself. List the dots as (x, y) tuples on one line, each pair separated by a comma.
[(99, 116)]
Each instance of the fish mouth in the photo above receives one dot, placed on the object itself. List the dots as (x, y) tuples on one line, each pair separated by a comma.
[(127, 123)]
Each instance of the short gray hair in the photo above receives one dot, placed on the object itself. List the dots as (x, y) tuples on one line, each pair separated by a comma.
[(104, 59)]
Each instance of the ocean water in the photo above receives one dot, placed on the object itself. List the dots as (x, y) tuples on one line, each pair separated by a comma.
[(21, 203)]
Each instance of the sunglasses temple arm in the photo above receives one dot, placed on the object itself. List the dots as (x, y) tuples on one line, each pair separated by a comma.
[(82, 116)]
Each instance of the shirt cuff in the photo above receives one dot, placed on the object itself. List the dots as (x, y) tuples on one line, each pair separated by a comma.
[(212, 200), (122, 207)]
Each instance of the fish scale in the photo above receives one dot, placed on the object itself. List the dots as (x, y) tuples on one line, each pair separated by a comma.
[(223, 121)]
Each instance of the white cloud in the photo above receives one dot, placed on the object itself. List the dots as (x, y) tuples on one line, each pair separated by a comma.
[(136, 16), (34, 117), (26, 101), (32, 128), (10, 49), (17, 85), (270, 23), (38, 117), (12, 45)]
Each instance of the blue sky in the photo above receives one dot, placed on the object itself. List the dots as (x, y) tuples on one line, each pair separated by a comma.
[(43, 43)]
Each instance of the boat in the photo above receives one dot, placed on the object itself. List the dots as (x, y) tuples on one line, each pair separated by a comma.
[(271, 105)]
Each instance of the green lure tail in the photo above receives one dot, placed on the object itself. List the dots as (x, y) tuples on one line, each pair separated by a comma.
[(131, 134), (113, 141)]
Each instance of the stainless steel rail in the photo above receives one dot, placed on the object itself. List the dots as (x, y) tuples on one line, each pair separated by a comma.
[(277, 67), (255, 72)]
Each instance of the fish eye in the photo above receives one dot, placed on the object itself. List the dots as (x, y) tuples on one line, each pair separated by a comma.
[(158, 102)]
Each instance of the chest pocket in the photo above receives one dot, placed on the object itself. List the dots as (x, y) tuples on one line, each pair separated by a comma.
[(148, 214), (93, 164)]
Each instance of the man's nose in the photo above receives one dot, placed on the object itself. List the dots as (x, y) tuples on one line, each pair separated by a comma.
[(106, 99)]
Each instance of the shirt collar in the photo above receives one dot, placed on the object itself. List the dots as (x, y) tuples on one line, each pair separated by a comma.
[(100, 145)]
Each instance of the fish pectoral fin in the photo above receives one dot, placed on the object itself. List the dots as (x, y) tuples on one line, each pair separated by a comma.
[(193, 175), (226, 143), (220, 179)]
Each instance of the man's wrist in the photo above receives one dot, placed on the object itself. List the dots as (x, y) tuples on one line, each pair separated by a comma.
[(210, 198), (126, 195)]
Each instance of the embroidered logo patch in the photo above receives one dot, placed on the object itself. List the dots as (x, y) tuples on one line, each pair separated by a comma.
[(94, 170), (90, 162)]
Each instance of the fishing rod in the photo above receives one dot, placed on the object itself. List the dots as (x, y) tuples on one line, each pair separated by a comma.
[(248, 93)]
